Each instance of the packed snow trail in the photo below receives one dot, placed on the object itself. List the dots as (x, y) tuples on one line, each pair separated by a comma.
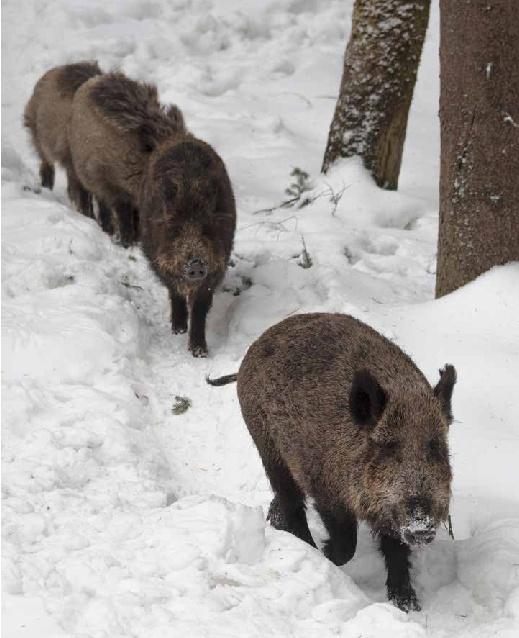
[(123, 515)]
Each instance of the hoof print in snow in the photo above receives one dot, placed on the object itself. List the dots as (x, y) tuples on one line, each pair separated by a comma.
[(305, 261), (236, 290), (181, 405)]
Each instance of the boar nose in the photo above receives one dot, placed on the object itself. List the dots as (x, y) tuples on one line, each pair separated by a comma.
[(195, 269), (419, 528), (412, 536)]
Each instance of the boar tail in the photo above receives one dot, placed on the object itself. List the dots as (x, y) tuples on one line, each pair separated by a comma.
[(229, 378)]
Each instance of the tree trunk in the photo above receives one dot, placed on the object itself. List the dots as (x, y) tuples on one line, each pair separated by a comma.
[(380, 66), (479, 115)]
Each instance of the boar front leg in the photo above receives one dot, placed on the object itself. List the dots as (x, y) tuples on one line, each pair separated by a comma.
[(178, 312), (341, 525), (287, 510), (200, 305), (399, 588)]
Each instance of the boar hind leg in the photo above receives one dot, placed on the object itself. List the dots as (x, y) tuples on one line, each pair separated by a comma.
[(47, 174), (287, 510), (105, 218), (126, 214), (399, 588), (341, 525), (178, 312), (199, 308), (78, 194)]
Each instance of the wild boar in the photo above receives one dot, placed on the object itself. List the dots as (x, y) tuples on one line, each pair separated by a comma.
[(47, 115), (116, 123), (340, 414), (188, 219)]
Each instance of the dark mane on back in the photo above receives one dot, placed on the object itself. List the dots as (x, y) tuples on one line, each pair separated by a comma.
[(134, 107), (72, 76)]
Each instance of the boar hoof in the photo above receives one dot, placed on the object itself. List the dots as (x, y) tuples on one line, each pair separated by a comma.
[(179, 330), (337, 555), (275, 516), (405, 599), (199, 351)]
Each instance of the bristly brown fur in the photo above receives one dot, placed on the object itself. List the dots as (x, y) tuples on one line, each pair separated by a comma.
[(72, 76), (134, 107), (47, 116), (136, 155), (117, 123), (340, 414)]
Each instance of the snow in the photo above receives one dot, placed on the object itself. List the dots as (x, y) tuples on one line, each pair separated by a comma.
[(122, 518)]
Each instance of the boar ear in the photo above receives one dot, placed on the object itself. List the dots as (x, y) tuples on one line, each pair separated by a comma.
[(444, 388), (367, 398)]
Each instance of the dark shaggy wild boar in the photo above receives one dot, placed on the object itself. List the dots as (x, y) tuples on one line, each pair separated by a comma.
[(340, 414), (116, 124), (47, 116), (188, 218)]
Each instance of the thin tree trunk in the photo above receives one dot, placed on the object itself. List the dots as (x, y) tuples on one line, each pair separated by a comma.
[(479, 115), (380, 67)]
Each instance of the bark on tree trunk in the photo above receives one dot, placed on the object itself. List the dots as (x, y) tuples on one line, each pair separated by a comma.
[(380, 66), (479, 115)]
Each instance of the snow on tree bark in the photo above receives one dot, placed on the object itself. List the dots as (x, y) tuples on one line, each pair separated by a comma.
[(380, 67), (479, 115)]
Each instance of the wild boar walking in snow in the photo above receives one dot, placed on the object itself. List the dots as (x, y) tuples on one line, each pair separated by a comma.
[(116, 124), (340, 414), (47, 116), (188, 219), (136, 155)]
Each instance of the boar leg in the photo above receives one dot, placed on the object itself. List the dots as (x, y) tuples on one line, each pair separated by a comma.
[(287, 510), (105, 218), (200, 307), (178, 312), (341, 525), (126, 213), (47, 174), (136, 224), (399, 588), (78, 195)]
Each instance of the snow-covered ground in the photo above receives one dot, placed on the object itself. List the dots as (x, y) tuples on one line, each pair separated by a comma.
[(122, 518)]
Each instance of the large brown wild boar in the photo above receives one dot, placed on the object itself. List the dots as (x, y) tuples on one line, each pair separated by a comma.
[(47, 115), (340, 414), (188, 218), (116, 124)]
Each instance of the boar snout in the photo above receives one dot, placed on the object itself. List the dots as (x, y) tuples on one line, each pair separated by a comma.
[(420, 527), (195, 269)]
